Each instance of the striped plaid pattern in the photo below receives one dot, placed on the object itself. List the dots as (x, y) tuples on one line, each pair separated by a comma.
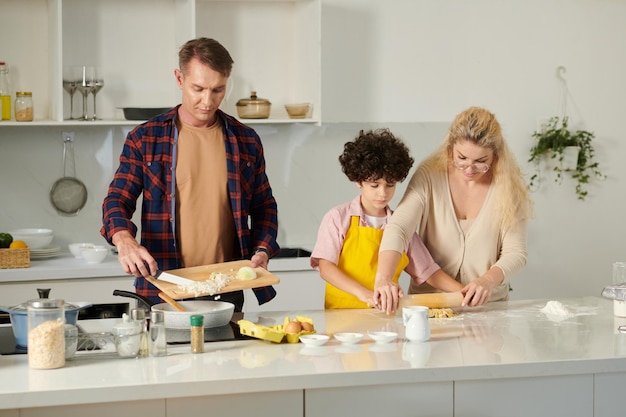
[(147, 168)]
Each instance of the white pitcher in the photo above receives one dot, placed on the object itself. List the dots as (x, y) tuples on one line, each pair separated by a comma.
[(415, 319)]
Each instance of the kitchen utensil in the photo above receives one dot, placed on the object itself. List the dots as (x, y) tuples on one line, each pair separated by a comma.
[(68, 194), (253, 107), (35, 238), (314, 339), (94, 255), (216, 313), (383, 337), (171, 301), (433, 300), (19, 318), (142, 113), (298, 111), (349, 338), (415, 319), (168, 282)]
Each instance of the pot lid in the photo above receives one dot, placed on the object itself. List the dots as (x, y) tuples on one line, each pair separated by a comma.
[(41, 302), (252, 100)]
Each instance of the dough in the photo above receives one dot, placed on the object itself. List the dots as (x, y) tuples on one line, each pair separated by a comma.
[(441, 313)]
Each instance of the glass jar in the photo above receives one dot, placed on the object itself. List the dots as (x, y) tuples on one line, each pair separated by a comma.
[(24, 106), (46, 333), (197, 333)]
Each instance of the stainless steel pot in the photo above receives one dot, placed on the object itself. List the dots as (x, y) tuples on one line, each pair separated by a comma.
[(19, 317), (216, 313)]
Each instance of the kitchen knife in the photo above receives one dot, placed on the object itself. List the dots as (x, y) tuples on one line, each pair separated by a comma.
[(433, 300), (174, 279)]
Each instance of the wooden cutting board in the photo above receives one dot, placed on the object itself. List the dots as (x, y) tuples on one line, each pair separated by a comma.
[(433, 300), (202, 273)]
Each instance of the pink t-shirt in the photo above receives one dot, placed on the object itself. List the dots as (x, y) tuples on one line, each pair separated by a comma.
[(333, 229)]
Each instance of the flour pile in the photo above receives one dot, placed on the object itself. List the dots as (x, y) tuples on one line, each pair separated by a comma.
[(556, 311)]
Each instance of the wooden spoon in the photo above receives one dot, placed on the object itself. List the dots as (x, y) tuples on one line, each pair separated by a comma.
[(171, 301)]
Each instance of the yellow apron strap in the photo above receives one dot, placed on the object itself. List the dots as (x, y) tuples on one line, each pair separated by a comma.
[(359, 260)]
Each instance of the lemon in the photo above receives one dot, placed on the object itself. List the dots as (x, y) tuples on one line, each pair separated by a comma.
[(5, 240), (18, 244)]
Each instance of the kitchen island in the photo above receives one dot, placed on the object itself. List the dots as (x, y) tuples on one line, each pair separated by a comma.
[(506, 358)]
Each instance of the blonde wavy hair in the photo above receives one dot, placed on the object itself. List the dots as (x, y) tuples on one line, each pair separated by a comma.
[(480, 126)]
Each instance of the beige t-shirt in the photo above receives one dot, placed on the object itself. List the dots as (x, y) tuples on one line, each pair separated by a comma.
[(206, 230), (427, 207)]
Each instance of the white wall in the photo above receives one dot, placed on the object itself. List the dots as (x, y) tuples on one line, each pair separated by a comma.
[(411, 66)]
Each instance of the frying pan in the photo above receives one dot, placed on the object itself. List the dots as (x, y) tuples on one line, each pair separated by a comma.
[(68, 194), (216, 313)]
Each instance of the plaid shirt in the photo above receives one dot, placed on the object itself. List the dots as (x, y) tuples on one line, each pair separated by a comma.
[(148, 167)]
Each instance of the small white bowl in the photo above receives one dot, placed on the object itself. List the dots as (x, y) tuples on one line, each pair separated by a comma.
[(383, 337), (314, 339), (94, 255), (77, 248), (35, 238), (349, 338)]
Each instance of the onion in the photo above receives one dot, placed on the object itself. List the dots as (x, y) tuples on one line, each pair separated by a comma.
[(246, 273)]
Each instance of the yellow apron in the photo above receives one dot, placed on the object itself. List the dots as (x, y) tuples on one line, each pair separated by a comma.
[(359, 260)]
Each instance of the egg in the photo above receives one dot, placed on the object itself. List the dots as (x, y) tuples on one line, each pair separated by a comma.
[(293, 327), (306, 326)]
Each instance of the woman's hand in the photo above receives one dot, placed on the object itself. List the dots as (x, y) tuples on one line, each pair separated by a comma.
[(387, 296), (478, 292)]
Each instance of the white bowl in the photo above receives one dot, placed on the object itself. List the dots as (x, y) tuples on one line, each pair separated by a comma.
[(77, 248), (349, 338), (94, 255), (314, 339), (35, 238), (383, 337)]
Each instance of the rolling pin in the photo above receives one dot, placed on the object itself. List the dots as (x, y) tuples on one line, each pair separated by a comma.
[(433, 300)]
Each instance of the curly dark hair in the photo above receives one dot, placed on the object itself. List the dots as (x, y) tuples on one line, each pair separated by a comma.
[(376, 154)]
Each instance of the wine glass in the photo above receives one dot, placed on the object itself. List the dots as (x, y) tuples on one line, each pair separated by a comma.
[(98, 83), (85, 85), (70, 79)]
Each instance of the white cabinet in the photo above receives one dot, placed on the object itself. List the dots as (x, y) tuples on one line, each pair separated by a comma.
[(563, 395), (432, 399), (276, 46)]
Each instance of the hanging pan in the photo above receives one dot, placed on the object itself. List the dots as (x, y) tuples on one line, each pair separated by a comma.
[(68, 195)]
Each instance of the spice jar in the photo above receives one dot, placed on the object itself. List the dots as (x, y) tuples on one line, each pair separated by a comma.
[(139, 316), (46, 333), (158, 342), (24, 106), (197, 333)]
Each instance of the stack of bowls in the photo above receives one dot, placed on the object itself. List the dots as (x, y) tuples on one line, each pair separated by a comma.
[(35, 238)]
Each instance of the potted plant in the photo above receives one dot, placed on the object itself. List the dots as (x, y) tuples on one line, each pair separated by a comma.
[(556, 143)]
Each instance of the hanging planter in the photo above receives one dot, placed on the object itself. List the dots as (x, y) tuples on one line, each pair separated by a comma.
[(565, 151)]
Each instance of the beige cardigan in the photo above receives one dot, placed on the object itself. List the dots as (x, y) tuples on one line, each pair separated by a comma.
[(427, 207)]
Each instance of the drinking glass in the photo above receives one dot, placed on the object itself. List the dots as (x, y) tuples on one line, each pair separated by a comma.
[(70, 79), (85, 85), (98, 83)]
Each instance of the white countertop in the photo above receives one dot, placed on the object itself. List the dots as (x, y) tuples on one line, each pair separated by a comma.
[(66, 266), (501, 340)]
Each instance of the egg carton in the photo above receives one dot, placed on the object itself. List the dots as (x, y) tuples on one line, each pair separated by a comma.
[(275, 334)]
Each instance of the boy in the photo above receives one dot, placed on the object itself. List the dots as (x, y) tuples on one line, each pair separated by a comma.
[(346, 251)]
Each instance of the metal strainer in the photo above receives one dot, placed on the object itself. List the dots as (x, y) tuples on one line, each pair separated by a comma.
[(68, 194)]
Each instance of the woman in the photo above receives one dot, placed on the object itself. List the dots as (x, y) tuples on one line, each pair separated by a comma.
[(470, 205)]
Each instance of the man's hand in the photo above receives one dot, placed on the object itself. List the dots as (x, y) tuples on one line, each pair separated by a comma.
[(134, 258), (260, 258)]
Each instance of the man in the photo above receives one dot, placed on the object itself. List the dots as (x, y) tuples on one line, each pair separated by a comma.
[(206, 196)]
